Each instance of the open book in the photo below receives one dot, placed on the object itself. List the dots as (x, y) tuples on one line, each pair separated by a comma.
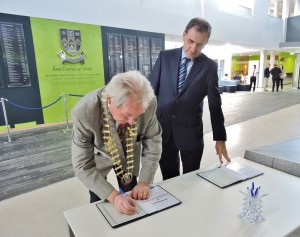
[(230, 174), (159, 200)]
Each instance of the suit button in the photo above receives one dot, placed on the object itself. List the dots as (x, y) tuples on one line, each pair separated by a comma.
[(177, 101), (173, 116)]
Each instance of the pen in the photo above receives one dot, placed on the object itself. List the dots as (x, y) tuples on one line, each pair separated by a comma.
[(252, 194), (256, 192), (124, 195)]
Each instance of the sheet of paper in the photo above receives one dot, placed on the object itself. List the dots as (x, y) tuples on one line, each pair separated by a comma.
[(159, 199), (114, 217), (245, 171), (221, 176)]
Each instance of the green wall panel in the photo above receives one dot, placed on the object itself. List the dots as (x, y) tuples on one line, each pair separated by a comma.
[(235, 65), (288, 62), (254, 57), (57, 78)]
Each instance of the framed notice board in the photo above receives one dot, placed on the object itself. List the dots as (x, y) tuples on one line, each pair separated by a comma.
[(125, 50), (18, 73)]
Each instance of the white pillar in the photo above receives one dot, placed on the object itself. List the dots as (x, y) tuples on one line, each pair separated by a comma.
[(272, 58), (296, 74), (262, 64), (228, 64), (285, 15), (276, 9), (285, 9), (297, 8)]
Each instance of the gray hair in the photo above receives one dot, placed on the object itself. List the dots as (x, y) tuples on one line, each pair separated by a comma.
[(124, 85)]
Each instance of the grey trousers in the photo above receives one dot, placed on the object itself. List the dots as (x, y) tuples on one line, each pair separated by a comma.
[(266, 79)]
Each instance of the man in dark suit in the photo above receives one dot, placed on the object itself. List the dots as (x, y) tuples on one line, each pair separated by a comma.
[(275, 71), (180, 104)]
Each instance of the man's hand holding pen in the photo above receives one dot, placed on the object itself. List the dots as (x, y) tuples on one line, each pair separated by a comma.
[(124, 203)]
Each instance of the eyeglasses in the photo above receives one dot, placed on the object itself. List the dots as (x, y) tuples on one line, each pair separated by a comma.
[(127, 117), (130, 118)]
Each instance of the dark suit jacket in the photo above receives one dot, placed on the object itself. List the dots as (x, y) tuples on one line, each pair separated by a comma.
[(181, 114), (276, 73)]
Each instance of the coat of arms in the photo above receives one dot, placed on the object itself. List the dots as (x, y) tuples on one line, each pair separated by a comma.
[(71, 42)]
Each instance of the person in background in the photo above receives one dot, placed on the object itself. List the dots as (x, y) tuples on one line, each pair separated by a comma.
[(266, 76), (243, 79), (115, 127), (181, 79), (275, 71), (225, 77), (253, 77), (236, 76), (282, 76)]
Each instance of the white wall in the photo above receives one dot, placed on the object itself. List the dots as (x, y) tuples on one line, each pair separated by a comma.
[(162, 16), (236, 25), (257, 30)]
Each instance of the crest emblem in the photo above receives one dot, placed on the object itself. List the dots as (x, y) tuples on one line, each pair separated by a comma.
[(70, 40), (71, 43)]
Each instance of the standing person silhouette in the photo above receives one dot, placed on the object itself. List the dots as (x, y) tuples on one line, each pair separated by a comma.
[(181, 79), (282, 76), (275, 71), (266, 76), (253, 78)]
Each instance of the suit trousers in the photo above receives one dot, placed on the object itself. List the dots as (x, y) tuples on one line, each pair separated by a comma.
[(275, 81), (170, 160), (266, 82), (252, 81), (281, 83), (125, 188)]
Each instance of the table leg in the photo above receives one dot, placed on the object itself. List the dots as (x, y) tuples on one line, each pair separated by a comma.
[(71, 232)]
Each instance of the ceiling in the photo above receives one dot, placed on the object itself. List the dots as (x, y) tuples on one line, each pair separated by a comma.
[(239, 50)]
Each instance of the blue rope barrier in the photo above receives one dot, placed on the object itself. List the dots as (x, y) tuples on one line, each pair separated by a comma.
[(75, 95), (23, 107)]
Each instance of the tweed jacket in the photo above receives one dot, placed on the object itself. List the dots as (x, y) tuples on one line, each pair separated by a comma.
[(91, 161)]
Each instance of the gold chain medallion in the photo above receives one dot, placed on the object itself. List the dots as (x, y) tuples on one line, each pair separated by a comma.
[(111, 146), (127, 178)]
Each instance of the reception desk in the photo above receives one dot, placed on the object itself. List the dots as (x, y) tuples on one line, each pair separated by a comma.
[(206, 210)]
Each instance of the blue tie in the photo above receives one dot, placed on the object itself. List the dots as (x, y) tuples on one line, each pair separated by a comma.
[(182, 73)]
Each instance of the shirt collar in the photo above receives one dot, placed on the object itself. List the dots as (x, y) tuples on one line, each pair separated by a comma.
[(183, 55)]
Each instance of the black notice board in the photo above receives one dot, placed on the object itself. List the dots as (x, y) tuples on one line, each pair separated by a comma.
[(138, 50), (18, 74)]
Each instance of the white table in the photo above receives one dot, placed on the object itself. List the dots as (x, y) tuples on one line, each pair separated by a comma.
[(206, 210)]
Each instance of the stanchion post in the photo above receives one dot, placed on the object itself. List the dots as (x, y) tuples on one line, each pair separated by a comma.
[(6, 121), (66, 111)]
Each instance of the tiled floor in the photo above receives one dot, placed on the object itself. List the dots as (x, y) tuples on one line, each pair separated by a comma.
[(34, 159), (40, 213)]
